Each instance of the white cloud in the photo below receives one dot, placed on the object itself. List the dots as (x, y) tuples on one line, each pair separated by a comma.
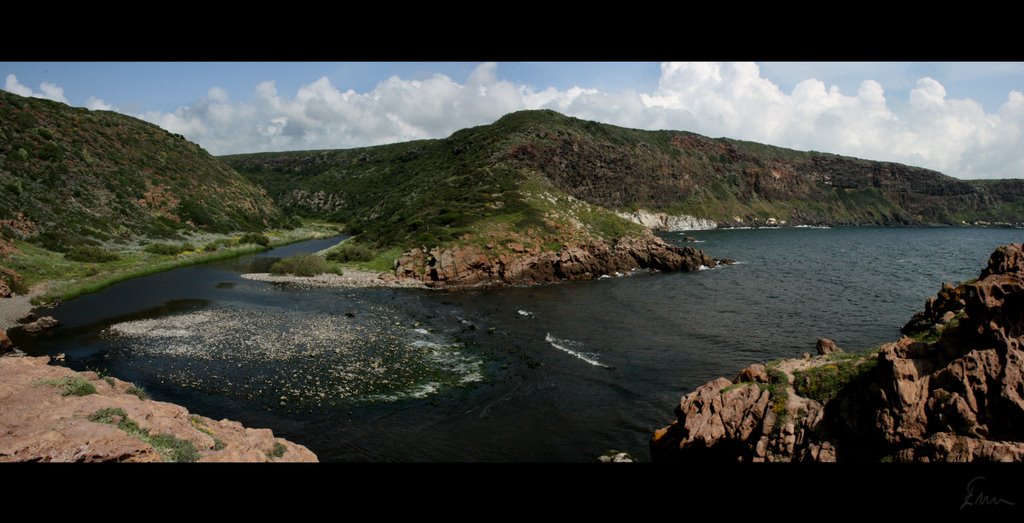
[(97, 104), (15, 87), (926, 128), (47, 90)]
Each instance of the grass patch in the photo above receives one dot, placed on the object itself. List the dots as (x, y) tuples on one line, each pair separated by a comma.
[(90, 254), (278, 450), (824, 382), (383, 262), (779, 396), (304, 265), (926, 336), (138, 392), (171, 449), (735, 386), (174, 450), (169, 249), (199, 425), (70, 385), (108, 415)]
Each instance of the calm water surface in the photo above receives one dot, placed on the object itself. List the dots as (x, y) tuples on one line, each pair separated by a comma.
[(554, 373)]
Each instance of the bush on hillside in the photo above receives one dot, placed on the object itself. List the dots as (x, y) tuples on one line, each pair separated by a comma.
[(253, 237), (169, 249), (90, 254)]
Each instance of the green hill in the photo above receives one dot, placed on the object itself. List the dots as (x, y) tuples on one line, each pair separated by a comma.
[(520, 171), (71, 177)]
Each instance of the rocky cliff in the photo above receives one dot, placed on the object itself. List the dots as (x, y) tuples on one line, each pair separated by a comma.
[(471, 265), (952, 389), (50, 413)]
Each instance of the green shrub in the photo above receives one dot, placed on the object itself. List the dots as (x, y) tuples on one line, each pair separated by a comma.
[(350, 252), (824, 382), (170, 448), (173, 449), (253, 237), (137, 391), (71, 385), (304, 265), (106, 415), (90, 254), (169, 249), (278, 451)]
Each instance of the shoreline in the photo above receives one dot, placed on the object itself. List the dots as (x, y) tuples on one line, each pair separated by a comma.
[(350, 278), (17, 307), (47, 291)]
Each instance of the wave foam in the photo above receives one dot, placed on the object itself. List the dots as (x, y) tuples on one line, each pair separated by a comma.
[(560, 344)]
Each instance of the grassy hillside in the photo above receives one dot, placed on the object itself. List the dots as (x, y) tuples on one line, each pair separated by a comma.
[(431, 192), (70, 176), (510, 173)]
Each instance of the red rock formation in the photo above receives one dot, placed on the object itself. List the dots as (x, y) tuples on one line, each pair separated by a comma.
[(39, 424), (471, 265), (959, 398)]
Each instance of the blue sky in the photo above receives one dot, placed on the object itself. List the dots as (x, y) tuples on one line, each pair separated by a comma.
[(960, 118)]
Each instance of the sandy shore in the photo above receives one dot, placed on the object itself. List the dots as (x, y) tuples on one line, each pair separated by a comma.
[(14, 308), (351, 278)]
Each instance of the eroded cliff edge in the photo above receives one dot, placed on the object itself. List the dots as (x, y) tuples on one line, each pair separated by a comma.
[(473, 265), (951, 389), (50, 413)]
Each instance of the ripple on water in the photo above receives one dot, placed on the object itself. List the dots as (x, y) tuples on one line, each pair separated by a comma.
[(296, 360)]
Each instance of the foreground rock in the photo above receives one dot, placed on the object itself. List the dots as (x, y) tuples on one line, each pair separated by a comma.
[(472, 265), (38, 423), (951, 392)]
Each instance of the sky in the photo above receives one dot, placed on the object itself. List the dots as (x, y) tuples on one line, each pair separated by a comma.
[(963, 119)]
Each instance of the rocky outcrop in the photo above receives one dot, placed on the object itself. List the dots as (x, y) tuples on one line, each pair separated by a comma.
[(956, 393), (660, 221), (5, 343), (517, 264), (826, 346), (9, 280), (42, 418), (46, 322)]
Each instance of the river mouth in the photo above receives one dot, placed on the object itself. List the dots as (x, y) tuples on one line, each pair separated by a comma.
[(549, 373)]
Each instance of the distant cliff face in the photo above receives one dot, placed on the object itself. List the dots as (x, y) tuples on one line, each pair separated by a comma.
[(952, 390), (70, 176), (746, 183)]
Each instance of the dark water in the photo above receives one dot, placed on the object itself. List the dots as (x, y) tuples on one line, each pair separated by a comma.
[(554, 373)]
